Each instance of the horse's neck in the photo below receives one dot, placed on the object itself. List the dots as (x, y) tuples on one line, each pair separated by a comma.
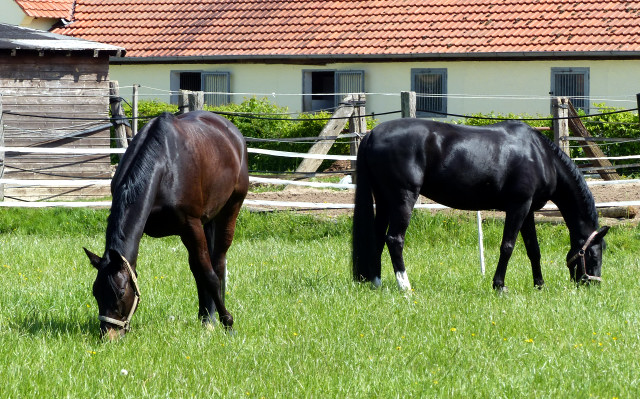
[(576, 206), (126, 223)]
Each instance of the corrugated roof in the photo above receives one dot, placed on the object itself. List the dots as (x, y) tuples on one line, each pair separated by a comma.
[(202, 28), (19, 38), (55, 9)]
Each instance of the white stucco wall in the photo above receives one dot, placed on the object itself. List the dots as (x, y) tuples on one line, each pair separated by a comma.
[(14, 15), (473, 86)]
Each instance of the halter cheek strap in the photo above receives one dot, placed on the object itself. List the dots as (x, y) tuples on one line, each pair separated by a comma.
[(126, 324), (581, 254)]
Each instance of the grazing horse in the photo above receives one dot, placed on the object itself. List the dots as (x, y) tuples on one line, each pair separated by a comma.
[(185, 176), (508, 166)]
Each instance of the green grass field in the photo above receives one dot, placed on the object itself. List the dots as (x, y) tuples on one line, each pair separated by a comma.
[(304, 329)]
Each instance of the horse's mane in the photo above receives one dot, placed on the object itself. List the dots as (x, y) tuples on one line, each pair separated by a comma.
[(133, 176), (575, 175)]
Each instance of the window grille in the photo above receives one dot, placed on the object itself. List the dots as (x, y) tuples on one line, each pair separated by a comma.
[(572, 83), (430, 86)]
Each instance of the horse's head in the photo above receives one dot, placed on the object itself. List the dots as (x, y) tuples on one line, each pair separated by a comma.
[(116, 291), (585, 262)]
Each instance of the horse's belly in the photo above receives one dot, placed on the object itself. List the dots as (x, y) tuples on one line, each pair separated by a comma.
[(466, 198)]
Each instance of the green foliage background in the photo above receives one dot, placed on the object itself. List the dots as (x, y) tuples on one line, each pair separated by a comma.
[(266, 120)]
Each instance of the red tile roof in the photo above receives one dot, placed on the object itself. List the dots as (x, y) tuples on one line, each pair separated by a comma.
[(236, 28), (55, 9)]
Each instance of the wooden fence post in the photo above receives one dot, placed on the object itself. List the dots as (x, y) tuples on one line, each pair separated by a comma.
[(196, 100), (358, 126), (408, 104), (183, 101), (560, 107), (2, 158), (134, 110), (117, 114)]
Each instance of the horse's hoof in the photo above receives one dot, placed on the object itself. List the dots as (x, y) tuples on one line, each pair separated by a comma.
[(539, 286), (376, 283), (227, 321), (501, 289), (403, 281)]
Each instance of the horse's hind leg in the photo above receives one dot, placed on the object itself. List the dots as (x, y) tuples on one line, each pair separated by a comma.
[(206, 306), (530, 239), (381, 224), (399, 216), (207, 280)]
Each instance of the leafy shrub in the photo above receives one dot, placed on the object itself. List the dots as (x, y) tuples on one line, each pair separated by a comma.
[(260, 119)]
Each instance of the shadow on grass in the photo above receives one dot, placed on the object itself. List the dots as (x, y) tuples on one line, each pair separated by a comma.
[(41, 324)]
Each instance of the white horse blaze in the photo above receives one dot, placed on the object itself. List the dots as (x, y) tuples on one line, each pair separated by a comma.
[(403, 281)]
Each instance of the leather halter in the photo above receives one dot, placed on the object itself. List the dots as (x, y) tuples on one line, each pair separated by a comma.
[(581, 254), (126, 324)]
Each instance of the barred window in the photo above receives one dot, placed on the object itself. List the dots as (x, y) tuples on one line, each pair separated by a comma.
[(430, 86), (572, 83), (323, 90), (216, 85)]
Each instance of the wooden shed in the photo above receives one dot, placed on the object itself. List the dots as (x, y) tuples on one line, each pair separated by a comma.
[(54, 94)]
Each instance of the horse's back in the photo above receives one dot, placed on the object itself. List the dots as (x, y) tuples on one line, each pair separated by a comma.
[(197, 163), (463, 167)]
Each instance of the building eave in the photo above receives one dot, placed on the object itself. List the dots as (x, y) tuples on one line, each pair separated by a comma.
[(322, 59)]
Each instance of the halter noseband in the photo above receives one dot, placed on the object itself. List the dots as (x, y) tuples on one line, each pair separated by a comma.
[(136, 290), (581, 254)]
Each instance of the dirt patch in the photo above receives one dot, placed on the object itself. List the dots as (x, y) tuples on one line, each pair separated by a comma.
[(601, 194)]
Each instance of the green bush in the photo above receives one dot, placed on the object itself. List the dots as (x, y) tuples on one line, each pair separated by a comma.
[(260, 119), (623, 125)]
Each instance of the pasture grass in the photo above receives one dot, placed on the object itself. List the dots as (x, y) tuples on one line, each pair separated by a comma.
[(304, 329)]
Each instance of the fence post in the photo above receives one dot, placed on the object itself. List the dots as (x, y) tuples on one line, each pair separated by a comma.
[(408, 104), (196, 100), (638, 104), (560, 107), (117, 114), (358, 126), (134, 110), (2, 158), (183, 101)]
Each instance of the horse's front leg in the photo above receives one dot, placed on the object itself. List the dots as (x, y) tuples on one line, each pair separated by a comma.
[(194, 239), (512, 224), (530, 239)]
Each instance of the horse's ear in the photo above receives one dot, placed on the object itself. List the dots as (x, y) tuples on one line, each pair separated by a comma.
[(601, 233), (93, 258), (115, 257)]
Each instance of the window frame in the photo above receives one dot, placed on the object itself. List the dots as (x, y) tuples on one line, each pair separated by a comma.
[(585, 71), (443, 74)]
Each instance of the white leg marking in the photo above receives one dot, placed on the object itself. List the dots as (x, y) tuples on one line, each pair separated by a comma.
[(403, 281), (376, 283)]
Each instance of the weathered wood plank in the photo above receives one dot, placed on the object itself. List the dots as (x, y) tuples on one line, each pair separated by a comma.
[(590, 148), (333, 127)]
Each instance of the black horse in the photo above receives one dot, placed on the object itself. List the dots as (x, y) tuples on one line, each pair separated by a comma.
[(184, 176), (508, 166)]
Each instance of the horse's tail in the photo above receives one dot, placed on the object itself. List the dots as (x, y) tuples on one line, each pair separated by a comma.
[(363, 238)]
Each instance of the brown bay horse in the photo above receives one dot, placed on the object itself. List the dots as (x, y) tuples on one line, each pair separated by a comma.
[(507, 166), (185, 176)]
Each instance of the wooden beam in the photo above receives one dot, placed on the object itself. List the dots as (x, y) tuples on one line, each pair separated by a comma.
[(591, 148), (333, 127), (117, 113), (408, 104), (2, 158), (560, 108), (357, 125)]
